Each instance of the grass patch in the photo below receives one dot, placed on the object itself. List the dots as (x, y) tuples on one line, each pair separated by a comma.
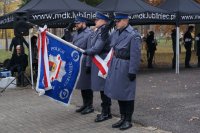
[(4, 55)]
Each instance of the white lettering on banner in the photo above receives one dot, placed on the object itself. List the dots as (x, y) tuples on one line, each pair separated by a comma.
[(57, 49), (70, 70)]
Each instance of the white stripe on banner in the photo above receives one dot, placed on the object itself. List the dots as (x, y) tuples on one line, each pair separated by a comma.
[(103, 65), (43, 81)]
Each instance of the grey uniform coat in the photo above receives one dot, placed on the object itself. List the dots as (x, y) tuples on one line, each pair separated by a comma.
[(81, 40), (127, 44), (101, 47)]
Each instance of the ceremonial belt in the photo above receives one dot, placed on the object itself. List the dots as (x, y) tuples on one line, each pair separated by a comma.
[(122, 56)]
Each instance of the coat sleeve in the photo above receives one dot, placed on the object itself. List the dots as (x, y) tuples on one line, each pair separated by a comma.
[(25, 42), (135, 54), (11, 45), (97, 47), (68, 36)]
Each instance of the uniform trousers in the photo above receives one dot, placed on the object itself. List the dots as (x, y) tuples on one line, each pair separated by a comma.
[(174, 60), (188, 54), (126, 109), (19, 69), (198, 61), (106, 103), (150, 57), (87, 96)]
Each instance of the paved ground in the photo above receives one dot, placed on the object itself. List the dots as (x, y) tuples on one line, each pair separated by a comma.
[(23, 111), (164, 101), (168, 101)]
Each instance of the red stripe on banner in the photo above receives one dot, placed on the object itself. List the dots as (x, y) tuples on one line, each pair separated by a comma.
[(58, 70), (98, 64), (43, 51), (112, 52)]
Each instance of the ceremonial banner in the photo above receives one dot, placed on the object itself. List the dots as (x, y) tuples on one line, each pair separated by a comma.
[(64, 63)]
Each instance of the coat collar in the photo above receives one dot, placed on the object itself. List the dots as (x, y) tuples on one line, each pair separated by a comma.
[(87, 30), (129, 29), (123, 35), (81, 35)]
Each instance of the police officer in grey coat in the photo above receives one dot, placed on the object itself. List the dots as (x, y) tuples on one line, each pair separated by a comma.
[(121, 80), (99, 45), (80, 39)]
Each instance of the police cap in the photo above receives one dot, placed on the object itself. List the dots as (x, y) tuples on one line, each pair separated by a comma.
[(121, 16), (100, 15), (80, 19)]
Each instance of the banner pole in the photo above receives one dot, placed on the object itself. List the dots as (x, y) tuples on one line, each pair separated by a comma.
[(31, 61)]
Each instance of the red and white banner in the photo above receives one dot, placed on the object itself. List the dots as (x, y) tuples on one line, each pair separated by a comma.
[(103, 65), (43, 81)]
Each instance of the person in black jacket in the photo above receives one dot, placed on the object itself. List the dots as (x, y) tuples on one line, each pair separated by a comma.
[(173, 37), (188, 45), (18, 40), (198, 48), (18, 63), (151, 48)]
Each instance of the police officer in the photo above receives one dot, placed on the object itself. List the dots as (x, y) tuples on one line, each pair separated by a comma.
[(198, 48), (188, 45), (99, 45), (121, 80), (151, 48), (80, 39)]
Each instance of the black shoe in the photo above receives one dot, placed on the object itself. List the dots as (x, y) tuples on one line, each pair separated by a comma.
[(81, 108), (118, 124), (102, 117), (125, 125), (87, 110)]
